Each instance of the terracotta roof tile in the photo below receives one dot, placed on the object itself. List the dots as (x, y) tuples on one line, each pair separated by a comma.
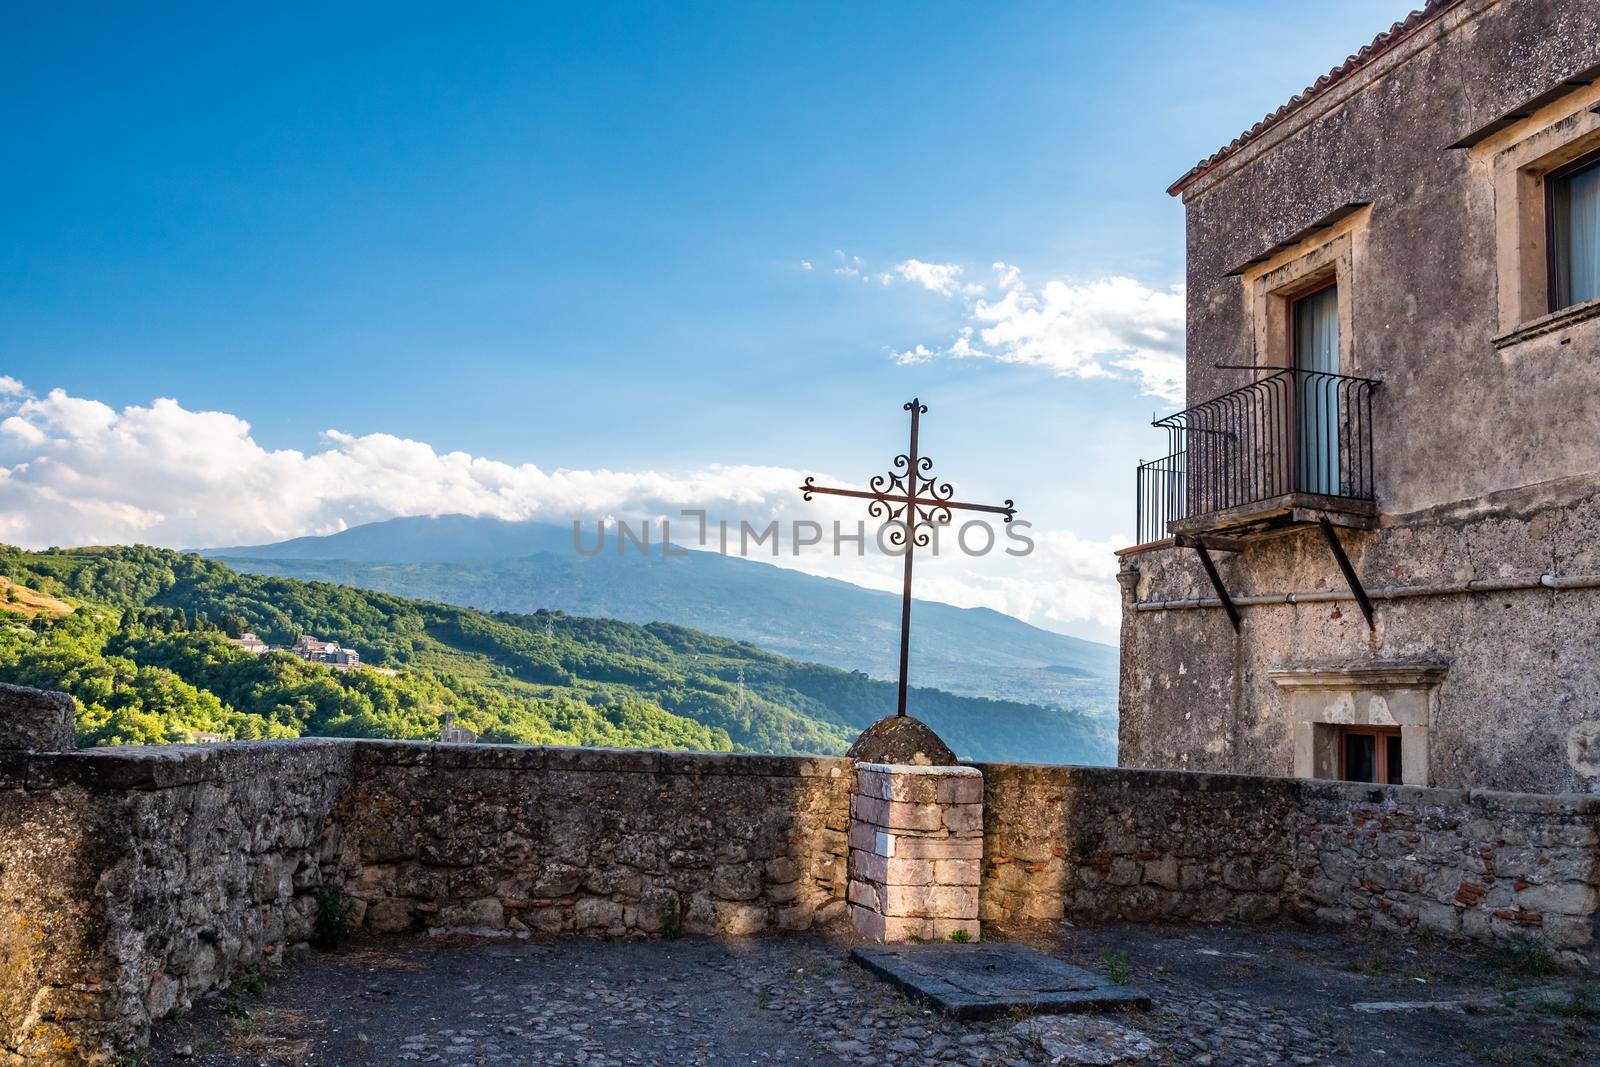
[(1380, 45)]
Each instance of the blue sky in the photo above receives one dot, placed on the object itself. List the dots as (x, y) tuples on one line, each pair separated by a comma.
[(572, 236)]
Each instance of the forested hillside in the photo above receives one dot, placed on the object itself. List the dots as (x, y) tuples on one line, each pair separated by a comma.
[(492, 565), (146, 653)]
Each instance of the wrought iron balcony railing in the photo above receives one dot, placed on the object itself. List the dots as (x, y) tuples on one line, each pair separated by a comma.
[(1293, 431)]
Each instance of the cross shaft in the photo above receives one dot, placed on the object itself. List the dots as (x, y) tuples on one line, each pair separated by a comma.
[(920, 504)]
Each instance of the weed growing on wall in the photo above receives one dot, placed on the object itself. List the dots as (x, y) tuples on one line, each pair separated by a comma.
[(333, 919)]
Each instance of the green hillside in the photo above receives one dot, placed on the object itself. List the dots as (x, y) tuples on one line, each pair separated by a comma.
[(146, 654), (493, 565)]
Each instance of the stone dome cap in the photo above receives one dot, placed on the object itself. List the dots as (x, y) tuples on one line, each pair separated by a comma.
[(903, 740)]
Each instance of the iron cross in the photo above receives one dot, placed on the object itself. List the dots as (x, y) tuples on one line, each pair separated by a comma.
[(909, 498)]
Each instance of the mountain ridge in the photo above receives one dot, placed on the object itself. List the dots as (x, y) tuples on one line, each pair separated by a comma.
[(496, 565)]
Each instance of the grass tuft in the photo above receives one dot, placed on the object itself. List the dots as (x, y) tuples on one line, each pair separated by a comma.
[(1116, 964)]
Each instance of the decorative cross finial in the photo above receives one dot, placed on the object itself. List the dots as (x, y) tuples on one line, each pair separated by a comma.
[(911, 499)]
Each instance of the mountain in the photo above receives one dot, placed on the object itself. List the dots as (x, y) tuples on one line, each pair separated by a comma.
[(140, 636), (525, 566)]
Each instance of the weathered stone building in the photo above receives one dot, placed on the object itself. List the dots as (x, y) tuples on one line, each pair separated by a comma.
[(1394, 356)]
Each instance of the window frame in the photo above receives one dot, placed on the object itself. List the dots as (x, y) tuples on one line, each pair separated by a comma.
[(1589, 161), (1380, 752)]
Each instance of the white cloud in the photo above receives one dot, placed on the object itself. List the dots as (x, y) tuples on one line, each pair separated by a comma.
[(1114, 327), (1066, 583), (912, 356), (9, 386), (74, 471), (1093, 330), (941, 278), (854, 267), (23, 429), (805, 264)]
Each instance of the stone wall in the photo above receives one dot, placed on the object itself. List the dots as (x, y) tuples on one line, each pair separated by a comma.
[(492, 837), (135, 880), (36, 720), (1094, 844)]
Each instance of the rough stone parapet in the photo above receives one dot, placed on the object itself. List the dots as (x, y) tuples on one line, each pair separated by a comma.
[(916, 843), (596, 841), (1104, 843), (135, 880), (36, 720)]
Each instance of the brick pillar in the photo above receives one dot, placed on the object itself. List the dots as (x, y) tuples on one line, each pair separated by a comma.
[(916, 849)]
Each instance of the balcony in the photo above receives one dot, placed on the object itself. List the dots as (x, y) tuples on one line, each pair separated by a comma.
[(1291, 448)]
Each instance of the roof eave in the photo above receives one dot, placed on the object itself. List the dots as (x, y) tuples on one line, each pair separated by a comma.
[(1380, 46)]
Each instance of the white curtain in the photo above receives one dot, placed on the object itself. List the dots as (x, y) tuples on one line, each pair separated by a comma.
[(1582, 237), (1316, 349)]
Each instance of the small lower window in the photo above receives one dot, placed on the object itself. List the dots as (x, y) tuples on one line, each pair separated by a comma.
[(1370, 754), (1573, 211)]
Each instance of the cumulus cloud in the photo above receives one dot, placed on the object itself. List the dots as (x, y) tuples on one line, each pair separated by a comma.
[(805, 264), (9, 386), (1114, 327), (941, 278), (75, 471), (912, 356), (1092, 330)]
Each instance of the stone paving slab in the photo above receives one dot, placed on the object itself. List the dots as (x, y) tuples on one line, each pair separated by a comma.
[(989, 980)]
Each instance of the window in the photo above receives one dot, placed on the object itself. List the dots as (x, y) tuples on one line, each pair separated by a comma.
[(1315, 341), (1573, 212), (1370, 754)]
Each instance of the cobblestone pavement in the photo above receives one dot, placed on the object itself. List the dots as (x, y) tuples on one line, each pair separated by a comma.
[(1222, 995)]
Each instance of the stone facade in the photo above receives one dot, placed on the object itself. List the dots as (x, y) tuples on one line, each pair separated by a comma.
[(135, 880), (1413, 181), (916, 840)]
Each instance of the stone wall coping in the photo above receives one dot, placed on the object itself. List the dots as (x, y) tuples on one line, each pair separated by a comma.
[(169, 766), (144, 767), (577, 758), (1578, 804), (957, 771), (36, 720)]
